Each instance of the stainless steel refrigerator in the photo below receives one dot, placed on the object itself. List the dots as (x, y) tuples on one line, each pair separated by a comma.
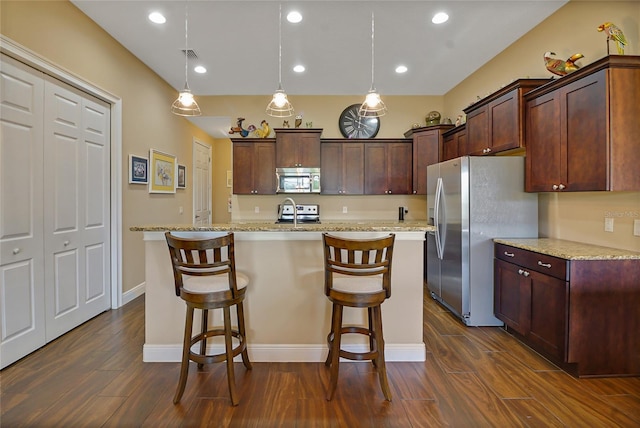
[(470, 201)]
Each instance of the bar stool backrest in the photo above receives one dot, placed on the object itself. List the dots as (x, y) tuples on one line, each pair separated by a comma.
[(358, 257), (202, 257)]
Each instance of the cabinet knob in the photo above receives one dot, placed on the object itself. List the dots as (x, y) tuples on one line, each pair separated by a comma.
[(547, 265), (523, 272), (509, 254), (561, 186), (66, 243), (554, 187), (16, 250)]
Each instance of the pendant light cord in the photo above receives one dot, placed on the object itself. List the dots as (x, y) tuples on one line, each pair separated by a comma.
[(280, 46), (186, 43), (372, 48)]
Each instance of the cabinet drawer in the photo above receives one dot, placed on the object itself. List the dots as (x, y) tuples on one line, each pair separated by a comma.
[(542, 263)]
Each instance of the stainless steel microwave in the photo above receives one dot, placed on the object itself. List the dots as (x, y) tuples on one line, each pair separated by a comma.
[(298, 180)]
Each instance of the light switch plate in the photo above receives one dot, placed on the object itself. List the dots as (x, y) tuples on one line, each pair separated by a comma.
[(608, 224), (636, 227)]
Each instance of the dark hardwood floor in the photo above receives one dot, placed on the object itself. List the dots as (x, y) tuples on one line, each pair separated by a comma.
[(473, 377)]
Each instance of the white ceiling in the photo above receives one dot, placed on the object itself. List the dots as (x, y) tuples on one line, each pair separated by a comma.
[(237, 41)]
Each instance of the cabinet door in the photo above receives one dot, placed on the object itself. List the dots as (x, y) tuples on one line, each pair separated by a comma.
[(504, 122), (243, 168), (375, 169), (544, 154), (264, 169), (549, 312), (254, 170), (399, 167), (331, 168), (449, 147), (584, 125), (426, 151), (477, 131), (512, 296), (298, 149), (352, 168)]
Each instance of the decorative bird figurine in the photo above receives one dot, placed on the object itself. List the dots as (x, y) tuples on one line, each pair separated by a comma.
[(239, 129), (264, 130), (298, 121), (560, 67), (615, 34)]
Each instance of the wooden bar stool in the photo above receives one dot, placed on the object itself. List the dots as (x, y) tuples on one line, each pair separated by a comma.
[(357, 274), (205, 277)]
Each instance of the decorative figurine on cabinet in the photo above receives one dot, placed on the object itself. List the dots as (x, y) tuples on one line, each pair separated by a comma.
[(298, 120), (560, 67), (459, 120), (238, 129), (433, 118), (615, 34), (263, 131), (285, 124)]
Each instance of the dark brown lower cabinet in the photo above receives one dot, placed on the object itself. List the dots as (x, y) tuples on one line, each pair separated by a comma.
[(584, 315)]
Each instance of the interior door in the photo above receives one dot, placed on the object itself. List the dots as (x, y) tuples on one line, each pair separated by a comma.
[(201, 183), (76, 207), (21, 255)]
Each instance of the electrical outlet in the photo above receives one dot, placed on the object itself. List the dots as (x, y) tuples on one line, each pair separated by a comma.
[(256, 210), (636, 227), (344, 210), (608, 224), (180, 210)]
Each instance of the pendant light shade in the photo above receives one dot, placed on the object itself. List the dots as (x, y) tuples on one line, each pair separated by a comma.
[(373, 106), (280, 105), (186, 105)]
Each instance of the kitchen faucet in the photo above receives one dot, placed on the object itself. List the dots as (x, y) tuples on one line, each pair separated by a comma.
[(295, 210)]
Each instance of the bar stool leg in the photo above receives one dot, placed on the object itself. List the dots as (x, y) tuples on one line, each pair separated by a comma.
[(242, 331), (372, 334), (336, 327), (203, 329), (380, 363), (228, 346), (184, 366), (330, 337)]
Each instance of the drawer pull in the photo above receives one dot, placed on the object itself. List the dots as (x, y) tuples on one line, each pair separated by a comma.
[(16, 251), (547, 265), (509, 254)]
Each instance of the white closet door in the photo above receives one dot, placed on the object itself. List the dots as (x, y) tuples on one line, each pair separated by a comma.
[(201, 184), (21, 255), (76, 195)]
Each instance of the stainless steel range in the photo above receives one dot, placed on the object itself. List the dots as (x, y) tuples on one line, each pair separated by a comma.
[(304, 213)]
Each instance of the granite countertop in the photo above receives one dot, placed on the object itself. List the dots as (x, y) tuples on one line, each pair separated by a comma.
[(570, 250), (271, 226)]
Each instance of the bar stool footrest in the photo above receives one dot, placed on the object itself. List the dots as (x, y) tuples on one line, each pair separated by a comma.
[(215, 358)]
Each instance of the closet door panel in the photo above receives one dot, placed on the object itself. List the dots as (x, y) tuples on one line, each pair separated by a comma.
[(21, 255), (95, 212)]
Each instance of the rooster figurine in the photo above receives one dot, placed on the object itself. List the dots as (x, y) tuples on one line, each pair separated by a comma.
[(615, 34), (560, 67), (263, 131)]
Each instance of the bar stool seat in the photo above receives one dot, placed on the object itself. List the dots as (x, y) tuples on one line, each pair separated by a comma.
[(358, 275), (205, 278)]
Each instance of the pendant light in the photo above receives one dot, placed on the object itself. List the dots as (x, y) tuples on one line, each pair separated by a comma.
[(280, 105), (186, 105), (372, 105)]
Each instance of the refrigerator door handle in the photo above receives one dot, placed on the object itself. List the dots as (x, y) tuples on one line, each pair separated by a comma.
[(436, 219)]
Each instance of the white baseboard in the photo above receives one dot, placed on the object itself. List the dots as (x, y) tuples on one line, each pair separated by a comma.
[(287, 353), (136, 291)]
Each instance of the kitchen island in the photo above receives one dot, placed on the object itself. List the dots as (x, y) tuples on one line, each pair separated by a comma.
[(286, 311)]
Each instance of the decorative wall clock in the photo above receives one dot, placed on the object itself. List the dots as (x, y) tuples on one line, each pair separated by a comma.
[(353, 126)]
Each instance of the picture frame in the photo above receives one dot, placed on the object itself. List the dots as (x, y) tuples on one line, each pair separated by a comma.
[(138, 170), (163, 172), (182, 177)]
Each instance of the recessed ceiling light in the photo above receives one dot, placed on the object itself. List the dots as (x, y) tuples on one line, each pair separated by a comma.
[(294, 17), (401, 69), (440, 18), (299, 68), (200, 69), (157, 18)]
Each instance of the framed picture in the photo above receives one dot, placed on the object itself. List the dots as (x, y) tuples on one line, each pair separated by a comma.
[(164, 171), (138, 169), (182, 177)]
